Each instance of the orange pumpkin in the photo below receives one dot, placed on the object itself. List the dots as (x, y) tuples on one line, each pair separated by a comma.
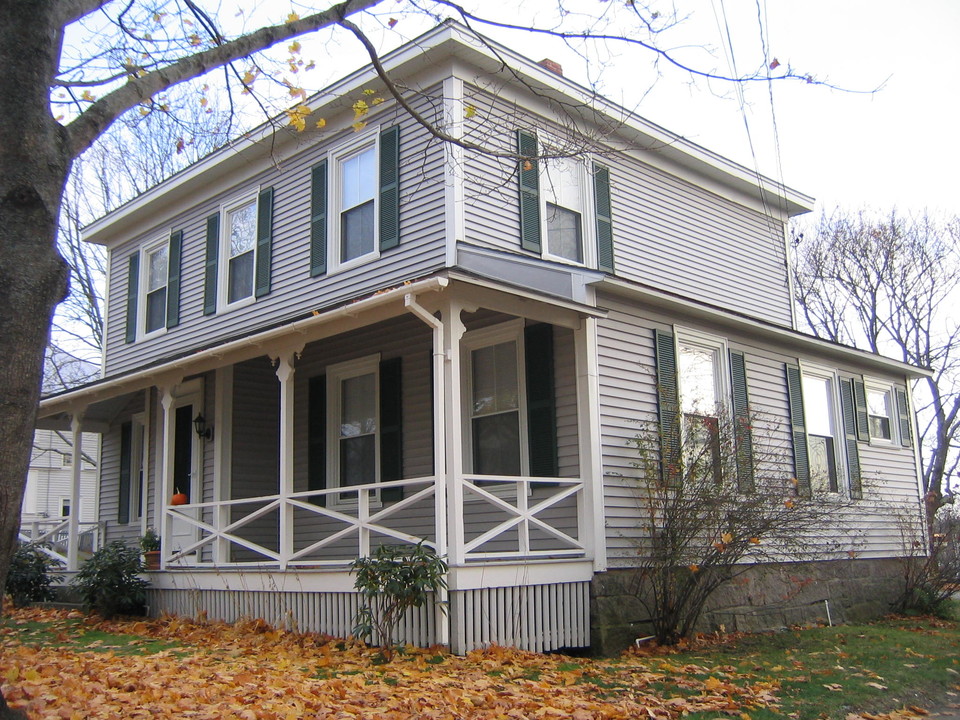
[(179, 499)]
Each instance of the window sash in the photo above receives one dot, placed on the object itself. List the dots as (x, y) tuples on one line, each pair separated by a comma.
[(241, 239)]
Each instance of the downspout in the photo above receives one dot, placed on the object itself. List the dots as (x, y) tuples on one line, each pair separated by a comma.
[(439, 456)]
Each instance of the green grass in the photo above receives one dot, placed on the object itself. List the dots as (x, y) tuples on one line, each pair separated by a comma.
[(827, 672), (75, 635)]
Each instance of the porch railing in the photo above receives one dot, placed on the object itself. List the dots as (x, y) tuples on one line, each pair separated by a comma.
[(52, 536), (501, 518)]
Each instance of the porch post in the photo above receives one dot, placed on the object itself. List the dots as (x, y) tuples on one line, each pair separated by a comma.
[(591, 445), (285, 373), (165, 521), (73, 535), (453, 429)]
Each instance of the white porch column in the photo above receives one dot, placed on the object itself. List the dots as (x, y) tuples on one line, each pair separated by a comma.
[(164, 519), (73, 535), (285, 374), (591, 444), (453, 330)]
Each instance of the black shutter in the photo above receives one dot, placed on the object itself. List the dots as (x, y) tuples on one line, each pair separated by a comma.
[(173, 278), (903, 413), (798, 427), (390, 188), (210, 265), (541, 401), (848, 410), (133, 281), (264, 242), (742, 434), (601, 200), (318, 219), (126, 472), (860, 404), (529, 173), (391, 428), (317, 437), (668, 406)]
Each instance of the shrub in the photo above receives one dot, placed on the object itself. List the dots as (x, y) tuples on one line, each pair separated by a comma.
[(930, 566), (110, 581), (150, 541), (393, 580), (30, 579)]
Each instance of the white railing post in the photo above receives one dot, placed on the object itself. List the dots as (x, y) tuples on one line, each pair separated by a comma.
[(166, 474), (590, 508), (363, 519), (523, 507), (285, 374), (453, 429), (73, 533)]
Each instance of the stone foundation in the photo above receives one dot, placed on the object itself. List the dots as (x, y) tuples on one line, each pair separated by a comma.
[(765, 597)]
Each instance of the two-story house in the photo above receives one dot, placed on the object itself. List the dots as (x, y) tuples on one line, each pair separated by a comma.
[(321, 341)]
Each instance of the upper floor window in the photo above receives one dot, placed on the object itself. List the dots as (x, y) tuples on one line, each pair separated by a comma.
[(564, 205), (355, 202), (153, 288), (880, 415), (239, 252)]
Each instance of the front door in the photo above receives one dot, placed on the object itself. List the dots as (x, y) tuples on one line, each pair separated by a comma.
[(185, 475)]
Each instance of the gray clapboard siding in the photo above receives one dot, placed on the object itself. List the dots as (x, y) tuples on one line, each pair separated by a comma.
[(669, 232), (110, 478), (867, 528), (294, 292)]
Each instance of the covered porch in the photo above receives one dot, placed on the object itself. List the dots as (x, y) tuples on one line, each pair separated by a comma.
[(450, 411)]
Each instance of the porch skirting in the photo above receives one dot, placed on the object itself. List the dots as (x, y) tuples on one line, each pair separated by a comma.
[(531, 617)]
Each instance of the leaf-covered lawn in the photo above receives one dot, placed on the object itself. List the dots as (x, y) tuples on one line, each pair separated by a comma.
[(57, 664)]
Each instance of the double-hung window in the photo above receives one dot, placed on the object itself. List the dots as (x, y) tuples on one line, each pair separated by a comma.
[(823, 446), (353, 422), (564, 204), (240, 245), (358, 221), (496, 412), (153, 288), (702, 376), (880, 413)]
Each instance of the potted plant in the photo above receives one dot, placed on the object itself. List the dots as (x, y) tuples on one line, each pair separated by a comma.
[(150, 546)]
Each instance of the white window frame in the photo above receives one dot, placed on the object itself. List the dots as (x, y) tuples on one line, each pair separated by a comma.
[(871, 384), (588, 234), (336, 374), (721, 370), (477, 340), (66, 459), (65, 503), (223, 256), (143, 285), (820, 372), (362, 143)]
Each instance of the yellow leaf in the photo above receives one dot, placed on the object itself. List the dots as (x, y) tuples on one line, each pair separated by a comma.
[(13, 674), (294, 47), (711, 684), (788, 503), (194, 39), (292, 17), (755, 541), (358, 126), (321, 123), (727, 538), (470, 111), (31, 675), (88, 96)]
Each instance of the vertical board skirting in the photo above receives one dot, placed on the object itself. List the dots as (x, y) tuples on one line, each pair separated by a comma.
[(538, 618)]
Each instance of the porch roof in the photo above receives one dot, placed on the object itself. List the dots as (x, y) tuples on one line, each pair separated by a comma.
[(100, 401)]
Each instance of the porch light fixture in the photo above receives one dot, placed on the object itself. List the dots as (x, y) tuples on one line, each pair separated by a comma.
[(200, 425)]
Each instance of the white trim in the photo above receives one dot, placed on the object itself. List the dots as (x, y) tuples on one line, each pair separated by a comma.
[(893, 416), (721, 370), (146, 250), (336, 374), (510, 331), (222, 451), (251, 196), (581, 175), (455, 225), (821, 372), (359, 144)]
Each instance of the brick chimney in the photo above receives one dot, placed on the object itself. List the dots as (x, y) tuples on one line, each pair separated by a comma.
[(551, 65)]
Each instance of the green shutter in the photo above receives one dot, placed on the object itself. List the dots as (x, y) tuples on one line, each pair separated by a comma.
[(903, 412), (126, 472), (529, 173), (210, 265), (860, 404), (848, 410), (318, 219), (390, 188), (391, 427), (317, 437), (601, 199), (173, 278), (133, 281), (264, 242), (541, 401), (743, 436), (668, 406), (798, 427)]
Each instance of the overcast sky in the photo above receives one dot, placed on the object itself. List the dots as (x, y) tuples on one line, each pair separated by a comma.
[(897, 146)]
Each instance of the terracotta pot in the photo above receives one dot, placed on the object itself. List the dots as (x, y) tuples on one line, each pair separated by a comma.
[(151, 559), (179, 499)]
